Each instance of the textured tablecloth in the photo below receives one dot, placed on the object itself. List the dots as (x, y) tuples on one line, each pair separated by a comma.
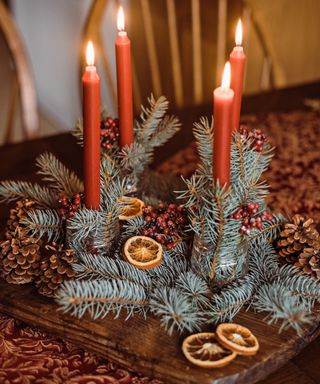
[(30, 356)]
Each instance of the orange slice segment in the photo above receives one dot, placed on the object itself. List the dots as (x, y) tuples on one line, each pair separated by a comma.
[(237, 338), (132, 208), (203, 350), (143, 252)]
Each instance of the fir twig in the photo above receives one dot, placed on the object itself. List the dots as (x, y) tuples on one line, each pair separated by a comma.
[(58, 175), (14, 190)]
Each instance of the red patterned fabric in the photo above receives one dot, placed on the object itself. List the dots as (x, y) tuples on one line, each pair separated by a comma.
[(30, 356)]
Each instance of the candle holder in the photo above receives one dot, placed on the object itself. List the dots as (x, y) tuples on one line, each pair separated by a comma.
[(227, 270), (188, 254)]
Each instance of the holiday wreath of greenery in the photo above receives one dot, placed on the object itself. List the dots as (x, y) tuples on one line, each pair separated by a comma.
[(218, 244)]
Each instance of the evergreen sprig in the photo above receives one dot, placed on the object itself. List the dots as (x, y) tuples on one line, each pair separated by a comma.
[(100, 297), (44, 222), (11, 190), (58, 175)]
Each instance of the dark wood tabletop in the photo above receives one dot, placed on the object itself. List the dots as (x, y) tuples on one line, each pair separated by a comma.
[(17, 162)]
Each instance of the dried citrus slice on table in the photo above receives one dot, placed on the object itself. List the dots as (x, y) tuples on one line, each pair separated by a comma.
[(237, 338), (203, 350), (143, 252), (132, 207)]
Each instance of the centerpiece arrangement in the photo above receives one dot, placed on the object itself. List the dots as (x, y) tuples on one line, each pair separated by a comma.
[(192, 252)]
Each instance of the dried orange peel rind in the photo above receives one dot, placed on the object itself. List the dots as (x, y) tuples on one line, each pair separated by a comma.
[(132, 208), (237, 338), (143, 252), (203, 350)]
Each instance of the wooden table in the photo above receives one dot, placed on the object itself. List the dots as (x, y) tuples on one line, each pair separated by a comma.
[(142, 345)]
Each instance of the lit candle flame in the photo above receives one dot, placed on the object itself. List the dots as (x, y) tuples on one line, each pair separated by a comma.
[(120, 20), (226, 77), (239, 33), (90, 53)]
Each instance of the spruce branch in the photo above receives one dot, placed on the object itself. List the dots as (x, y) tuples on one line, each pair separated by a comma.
[(283, 306), (150, 118), (203, 133), (166, 129), (44, 222), (228, 303), (14, 190), (100, 297), (175, 310), (194, 288), (93, 267), (58, 175)]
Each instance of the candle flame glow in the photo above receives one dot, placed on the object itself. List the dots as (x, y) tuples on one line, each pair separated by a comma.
[(226, 77), (120, 19), (90, 53), (239, 33)]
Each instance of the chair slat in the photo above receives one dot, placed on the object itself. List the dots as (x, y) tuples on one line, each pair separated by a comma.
[(151, 47), (246, 22), (27, 94), (175, 52), (221, 38), (197, 57), (14, 95)]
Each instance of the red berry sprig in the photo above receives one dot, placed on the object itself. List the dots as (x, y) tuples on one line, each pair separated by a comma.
[(257, 138), (165, 223), (109, 133), (250, 219), (69, 206)]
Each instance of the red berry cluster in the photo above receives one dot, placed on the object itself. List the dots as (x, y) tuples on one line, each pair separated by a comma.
[(165, 223), (250, 219), (257, 138), (109, 133), (69, 206)]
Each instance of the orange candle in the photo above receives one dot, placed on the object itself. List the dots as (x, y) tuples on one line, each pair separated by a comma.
[(223, 98), (237, 61), (91, 132), (124, 81)]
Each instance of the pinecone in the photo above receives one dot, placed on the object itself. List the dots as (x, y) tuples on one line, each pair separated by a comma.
[(15, 218), (297, 236), (309, 262), (55, 268), (19, 258), (299, 244)]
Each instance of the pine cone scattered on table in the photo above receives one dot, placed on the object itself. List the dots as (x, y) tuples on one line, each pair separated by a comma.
[(299, 244), (16, 216), (296, 236), (309, 262), (55, 268), (19, 258)]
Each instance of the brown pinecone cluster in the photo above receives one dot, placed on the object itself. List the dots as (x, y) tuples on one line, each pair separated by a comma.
[(19, 254), (299, 244), (24, 259)]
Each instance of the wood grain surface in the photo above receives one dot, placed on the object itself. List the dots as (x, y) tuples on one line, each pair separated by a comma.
[(144, 346)]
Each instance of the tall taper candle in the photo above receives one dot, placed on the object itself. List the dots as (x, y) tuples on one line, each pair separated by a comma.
[(124, 81), (222, 110), (91, 131), (237, 61)]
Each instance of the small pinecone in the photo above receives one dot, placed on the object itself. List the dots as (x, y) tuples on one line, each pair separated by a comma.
[(16, 215), (309, 262), (19, 258), (55, 268), (297, 236)]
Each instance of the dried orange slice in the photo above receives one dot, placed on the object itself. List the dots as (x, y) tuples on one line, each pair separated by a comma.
[(143, 252), (203, 350), (132, 208), (237, 338)]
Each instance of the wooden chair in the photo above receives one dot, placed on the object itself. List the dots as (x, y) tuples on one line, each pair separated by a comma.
[(22, 93), (174, 46)]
